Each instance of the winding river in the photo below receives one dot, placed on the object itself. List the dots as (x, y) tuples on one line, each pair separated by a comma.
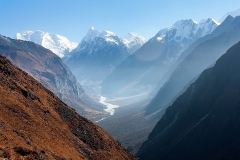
[(110, 107)]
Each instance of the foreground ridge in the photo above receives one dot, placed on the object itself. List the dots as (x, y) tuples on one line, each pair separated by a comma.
[(35, 124)]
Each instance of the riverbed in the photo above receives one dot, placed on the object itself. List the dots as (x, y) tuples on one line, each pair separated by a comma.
[(110, 107)]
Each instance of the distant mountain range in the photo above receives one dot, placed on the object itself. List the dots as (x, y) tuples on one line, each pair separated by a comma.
[(154, 110), (49, 70), (203, 122), (60, 45), (142, 71), (57, 44), (87, 64), (96, 56), (231, 13), (200, 55), (185, 79), (35, 124)]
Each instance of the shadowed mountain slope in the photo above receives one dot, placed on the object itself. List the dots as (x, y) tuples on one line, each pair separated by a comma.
[(35, 124), (96, 56), (49, 70), (200, 56), (203, 123), (141, 72)]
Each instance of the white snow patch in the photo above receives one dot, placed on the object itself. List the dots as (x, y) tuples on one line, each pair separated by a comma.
[(92, 34), (160, 38), (218, 23), (111, 40), (133, 39), (107, 33), (187, 29)]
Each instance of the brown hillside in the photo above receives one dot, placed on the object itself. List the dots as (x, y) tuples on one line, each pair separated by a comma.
[(49, 70), (35, 124)]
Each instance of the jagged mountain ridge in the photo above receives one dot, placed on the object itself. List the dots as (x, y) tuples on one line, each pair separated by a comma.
[(96, 56), (35, 124), (147, 65), (231, 13), (198, 57), (133, 41), (203, 123), (57, 44), (183, 30), (49, 70)]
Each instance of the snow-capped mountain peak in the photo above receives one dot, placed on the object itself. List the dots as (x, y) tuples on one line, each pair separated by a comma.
[(91, 34), (133, 37), (187, 29), (58, 44), (94, 35), (133, 41), (96, 56)]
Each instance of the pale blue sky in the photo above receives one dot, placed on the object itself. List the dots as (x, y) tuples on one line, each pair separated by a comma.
[(72, 18)]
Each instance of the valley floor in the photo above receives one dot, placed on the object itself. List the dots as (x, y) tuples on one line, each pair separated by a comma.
[(128, 124)]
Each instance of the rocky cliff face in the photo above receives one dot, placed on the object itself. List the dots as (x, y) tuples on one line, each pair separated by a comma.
[(49, 69), (35, 124), (203, 123)]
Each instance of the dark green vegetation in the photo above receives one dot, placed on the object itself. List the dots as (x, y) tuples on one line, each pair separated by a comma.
[(203, 123)]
